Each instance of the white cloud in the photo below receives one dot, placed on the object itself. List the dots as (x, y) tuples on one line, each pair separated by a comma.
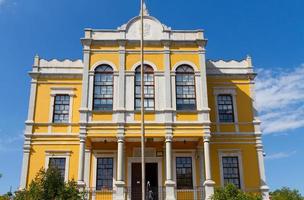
[(280, 99), (280, 155)]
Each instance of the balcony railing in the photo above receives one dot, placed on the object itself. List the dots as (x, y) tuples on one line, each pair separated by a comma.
[(158, 193)]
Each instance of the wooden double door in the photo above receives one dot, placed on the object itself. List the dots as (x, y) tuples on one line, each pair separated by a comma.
[(151, 181)]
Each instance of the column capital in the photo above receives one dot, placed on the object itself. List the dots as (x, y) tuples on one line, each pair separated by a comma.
[(120, 139), (169, 138), (207, 137)]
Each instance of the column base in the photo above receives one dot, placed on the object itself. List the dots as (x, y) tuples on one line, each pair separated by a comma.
[(209, 189), (81, 184), (120, 190), (265, 192), (170, 190)]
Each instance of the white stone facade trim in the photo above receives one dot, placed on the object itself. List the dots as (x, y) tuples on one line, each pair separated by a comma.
[(236, 153), (185, 62), (146, 62), (103, 62)]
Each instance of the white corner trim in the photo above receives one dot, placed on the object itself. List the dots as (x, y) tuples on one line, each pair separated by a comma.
[(59, 154), (96, 155), (103, 62), (231, 152), (185, 62), (145, 63)]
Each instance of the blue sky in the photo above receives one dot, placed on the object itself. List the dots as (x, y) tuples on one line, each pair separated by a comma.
[(271, 31)]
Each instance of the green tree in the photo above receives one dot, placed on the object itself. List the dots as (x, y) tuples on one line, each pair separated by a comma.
[(230, 192), (50, 185), (286, 193)]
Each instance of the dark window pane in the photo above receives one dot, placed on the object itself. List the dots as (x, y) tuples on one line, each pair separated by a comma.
[(104, 173), (103, 88), (61, 109), (184, 173), (58, 163), (225, 108), (185, 88), (231, 171)]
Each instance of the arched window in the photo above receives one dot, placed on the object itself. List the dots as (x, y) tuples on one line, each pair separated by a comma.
[(148, 88), (185, 88), (103, 88)]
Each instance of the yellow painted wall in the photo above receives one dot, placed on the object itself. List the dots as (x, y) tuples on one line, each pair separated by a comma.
[(110, 57), (38, 157), (156, 59)]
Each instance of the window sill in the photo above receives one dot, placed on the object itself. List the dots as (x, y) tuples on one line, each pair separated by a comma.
[(102, 111), (186, 111)]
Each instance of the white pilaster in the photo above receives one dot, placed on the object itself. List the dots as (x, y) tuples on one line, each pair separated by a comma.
[(85, 81), (82, 141), (25, 162), (121, 82), (87, 167), (167, 84), (209, 183), (29, 125)]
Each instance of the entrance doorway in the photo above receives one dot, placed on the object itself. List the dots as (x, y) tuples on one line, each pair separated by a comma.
[(151, 181)]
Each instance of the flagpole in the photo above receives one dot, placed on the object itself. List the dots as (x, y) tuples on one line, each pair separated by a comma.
[(143, 174)]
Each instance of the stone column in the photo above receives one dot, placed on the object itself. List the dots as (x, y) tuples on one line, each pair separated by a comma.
[(209, 183), (82, 143), (120, 183), (170, 184), (201, 170)]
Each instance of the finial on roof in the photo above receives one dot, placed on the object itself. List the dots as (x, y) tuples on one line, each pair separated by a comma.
[(249, 60), (146, 12)]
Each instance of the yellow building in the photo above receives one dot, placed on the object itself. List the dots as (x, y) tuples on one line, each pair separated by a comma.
[(202, 130)]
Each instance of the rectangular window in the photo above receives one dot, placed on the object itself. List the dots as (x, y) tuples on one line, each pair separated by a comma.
[(61, 109), (58, 163), (104, 178), (231, 170), (225, 108), (184, 173)]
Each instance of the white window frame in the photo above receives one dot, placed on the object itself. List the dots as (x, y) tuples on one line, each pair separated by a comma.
[(61, 91), (98, 154), (228, 153), (229, 91), (91, 86), (192, 155), (59, 154)]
